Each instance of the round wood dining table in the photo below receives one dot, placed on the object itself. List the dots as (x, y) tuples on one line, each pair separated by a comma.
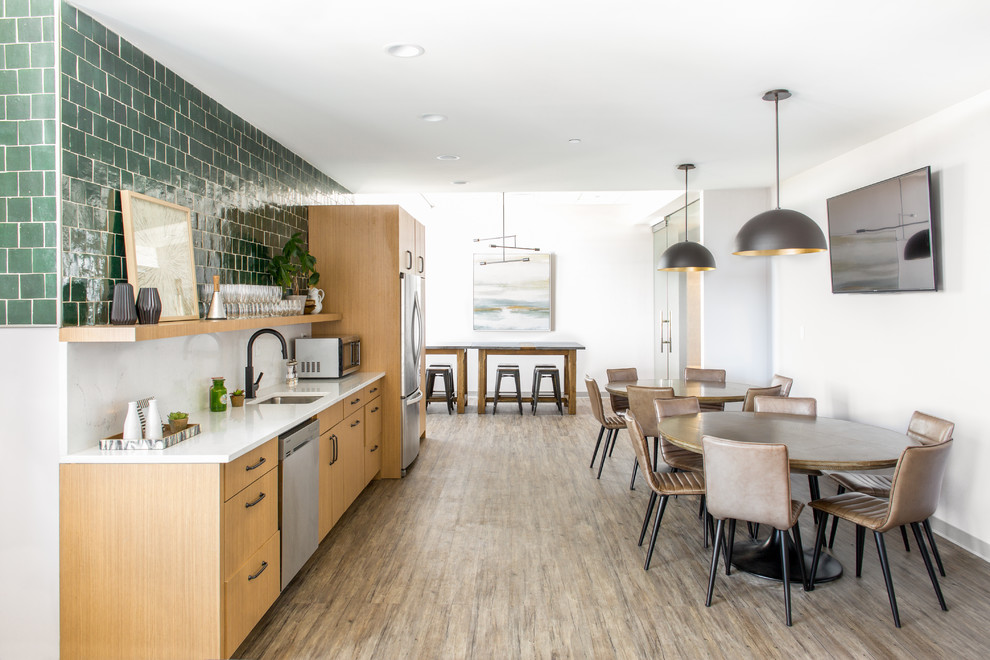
[(706, 391), (813, 443)]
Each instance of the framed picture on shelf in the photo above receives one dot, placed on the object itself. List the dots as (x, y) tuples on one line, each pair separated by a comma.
[(159, 250)]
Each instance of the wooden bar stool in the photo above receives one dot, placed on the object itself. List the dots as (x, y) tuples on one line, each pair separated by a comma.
[(446, 373), (550, 371), (510, 371)]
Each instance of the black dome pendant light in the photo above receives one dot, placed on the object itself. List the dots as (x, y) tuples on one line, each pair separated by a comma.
[(779, 231), (686, 255)]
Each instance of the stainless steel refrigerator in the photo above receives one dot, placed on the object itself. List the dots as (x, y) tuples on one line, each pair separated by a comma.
[(412, 351)]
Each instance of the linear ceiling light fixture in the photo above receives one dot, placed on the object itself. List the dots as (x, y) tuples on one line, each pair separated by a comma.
[(686, 256), (779, 231), (502, 244)]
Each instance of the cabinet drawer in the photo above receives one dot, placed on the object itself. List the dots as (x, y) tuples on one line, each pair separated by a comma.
[(249, 518), (354, 402), (372, 439), (373, 390), (330, 416), (239, 473), (250, 592)]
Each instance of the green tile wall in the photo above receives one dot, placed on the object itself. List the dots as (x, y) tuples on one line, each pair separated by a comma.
[(128, 122), (28, 185)]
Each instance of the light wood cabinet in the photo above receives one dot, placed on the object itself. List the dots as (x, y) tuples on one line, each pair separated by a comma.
[(155, 558), (420, 262), (362, 250), (372, 439), (352, 456)]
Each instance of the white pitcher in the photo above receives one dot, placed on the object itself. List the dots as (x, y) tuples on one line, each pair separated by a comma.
[(316, 295)]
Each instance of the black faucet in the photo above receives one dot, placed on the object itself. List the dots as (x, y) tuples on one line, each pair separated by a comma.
[(250, 384)]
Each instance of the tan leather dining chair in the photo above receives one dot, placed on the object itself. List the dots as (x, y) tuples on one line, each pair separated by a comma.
[(914, 491), (620, 404), (708, 376), (923, 428), (662, 484), (784, 382), (753, 392), (641, 406), (751, 481), (610, 424)]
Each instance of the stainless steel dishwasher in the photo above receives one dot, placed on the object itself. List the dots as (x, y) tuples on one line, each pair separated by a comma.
[(299, 462)]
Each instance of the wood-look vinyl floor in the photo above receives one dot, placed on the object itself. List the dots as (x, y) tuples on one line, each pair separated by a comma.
[(501, 543)]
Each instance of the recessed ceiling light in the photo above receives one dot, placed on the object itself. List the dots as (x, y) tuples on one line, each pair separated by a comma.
[(405, 50), (448, 157), (459, 183), (575, 140), (432, 117)]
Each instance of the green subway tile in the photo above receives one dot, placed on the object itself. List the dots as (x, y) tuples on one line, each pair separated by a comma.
[(84, 120), (19, 261), (69, 112), (74, 140), (44, 260), (8, 30), (29, 81), (9, 285), (28, 29), (48, 29), (17, 56), (43, 209), (43, 312), (42, 7), (69, 64), (19, 209), (42, 106), (32, 234), (30, 132), (18, 106), (51, 285), (70, 314), (18, 158), (85, 168), (51, 231), (8, 184), (3, 260), (8, 132), (30, 184), (18, 312), (43, 55), (43, 157), (15, 8), (50, 131), (8, 235), (3, 312), (51, 183), (92, 53), (92, 100), (8, 82), (32, 286)]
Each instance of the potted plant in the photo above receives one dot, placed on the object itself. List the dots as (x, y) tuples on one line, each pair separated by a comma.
[(177, 421), (294, 266), (237, 398)]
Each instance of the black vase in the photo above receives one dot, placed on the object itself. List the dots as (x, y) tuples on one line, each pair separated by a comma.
[(122, 310), (149, 306)]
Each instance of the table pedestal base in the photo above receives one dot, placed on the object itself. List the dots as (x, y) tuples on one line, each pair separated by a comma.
[(762, 558)]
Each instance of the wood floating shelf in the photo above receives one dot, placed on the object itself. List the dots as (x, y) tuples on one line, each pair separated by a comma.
[(167, 330)]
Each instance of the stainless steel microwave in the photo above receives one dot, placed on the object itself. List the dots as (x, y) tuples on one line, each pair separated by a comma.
[(328, 357)]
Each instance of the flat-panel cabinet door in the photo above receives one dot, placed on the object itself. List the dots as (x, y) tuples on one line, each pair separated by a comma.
[(420, 249), (351, 456), (328, 456), (407, 243), (372, 439)]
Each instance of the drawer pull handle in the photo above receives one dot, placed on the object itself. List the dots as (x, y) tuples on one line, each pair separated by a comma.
[(372, 390), (356, 422), (257, 465), (248, 505), (355, 401), (333, 438), (375, 409), (261, 570), (373, 449)]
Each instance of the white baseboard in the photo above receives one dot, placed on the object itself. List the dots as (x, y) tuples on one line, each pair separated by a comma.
[(963, 539)]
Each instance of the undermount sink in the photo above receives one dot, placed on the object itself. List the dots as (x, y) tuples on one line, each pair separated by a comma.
[(282, 399)]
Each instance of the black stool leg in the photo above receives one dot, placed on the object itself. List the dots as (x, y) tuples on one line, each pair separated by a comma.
[(555, 379), (516, 378)]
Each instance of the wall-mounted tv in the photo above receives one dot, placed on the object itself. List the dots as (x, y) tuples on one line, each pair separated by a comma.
[(880, 236)]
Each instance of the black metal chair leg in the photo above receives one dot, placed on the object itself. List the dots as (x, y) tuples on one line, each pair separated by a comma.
[(931, 542), (701, 506), (860, 538), (646, 519), (597, 444), (729, 544), (815, 492), (714, 569), (882, 551), (656, 454), (799, 552), (615, 436), (928, 564), (785, 569), (632, 482), (608, 439), (907, 546), (656, 530), (819, 544), (835, 519)]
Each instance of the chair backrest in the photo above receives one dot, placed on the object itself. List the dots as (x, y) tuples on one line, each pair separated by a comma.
[(784, 382), (595, 397), (929, 430), (687, 405), (916, 484), (753, 392), (641, 405), (627, 373), (805, 406), (638, 440), (708, 375), (748, 481)]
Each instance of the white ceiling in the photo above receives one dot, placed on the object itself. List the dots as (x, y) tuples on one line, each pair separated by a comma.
[(644, 84)]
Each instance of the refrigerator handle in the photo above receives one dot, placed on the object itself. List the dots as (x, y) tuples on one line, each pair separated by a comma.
[(415, 398), (417, 329)]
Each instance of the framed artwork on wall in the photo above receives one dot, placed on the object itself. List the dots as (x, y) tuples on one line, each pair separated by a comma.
[(514, 295), (159, 250)]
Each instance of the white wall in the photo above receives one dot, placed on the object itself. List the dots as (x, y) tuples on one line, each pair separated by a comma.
[(30, 401), (877, 358)]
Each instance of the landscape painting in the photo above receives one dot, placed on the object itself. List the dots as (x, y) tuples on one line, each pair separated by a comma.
[(512, 296)]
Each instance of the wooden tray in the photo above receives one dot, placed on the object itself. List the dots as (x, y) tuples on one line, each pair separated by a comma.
[(116, 442)]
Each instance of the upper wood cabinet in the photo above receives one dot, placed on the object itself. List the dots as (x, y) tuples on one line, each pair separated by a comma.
[(420, 262), (412, 245)]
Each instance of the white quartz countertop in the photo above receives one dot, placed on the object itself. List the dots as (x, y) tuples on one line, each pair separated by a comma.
[(225, 436)]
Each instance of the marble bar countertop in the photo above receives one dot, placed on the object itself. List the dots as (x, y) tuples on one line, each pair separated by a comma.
[(228, 435)]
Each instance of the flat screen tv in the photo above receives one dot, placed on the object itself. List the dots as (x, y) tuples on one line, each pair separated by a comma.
[(880, 236)]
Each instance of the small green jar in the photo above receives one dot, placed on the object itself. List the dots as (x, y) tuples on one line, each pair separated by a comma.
[(218, 396)]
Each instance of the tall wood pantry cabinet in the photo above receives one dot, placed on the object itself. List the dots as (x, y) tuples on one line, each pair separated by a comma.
[(360, 252)]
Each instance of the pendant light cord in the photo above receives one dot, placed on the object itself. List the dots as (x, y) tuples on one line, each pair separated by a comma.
[(685, 205), (776, 126)]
